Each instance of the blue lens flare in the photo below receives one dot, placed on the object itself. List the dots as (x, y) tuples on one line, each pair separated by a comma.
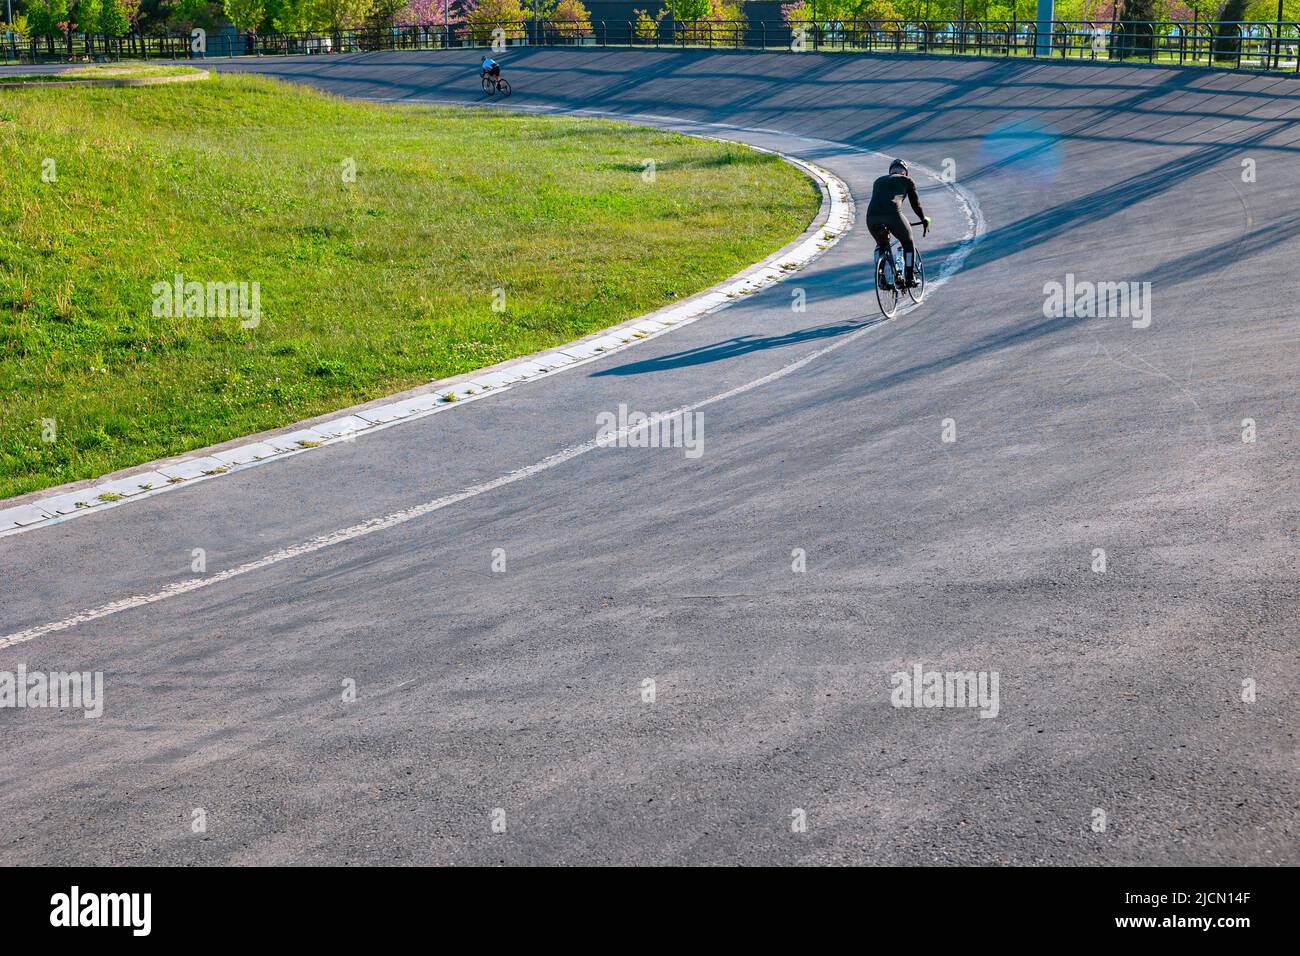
[(1029, 147)]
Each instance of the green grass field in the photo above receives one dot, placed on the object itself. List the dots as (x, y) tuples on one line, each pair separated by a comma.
[(366, 287), (120, 71)]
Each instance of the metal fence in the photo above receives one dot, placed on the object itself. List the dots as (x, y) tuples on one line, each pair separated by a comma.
[(1224, 44)]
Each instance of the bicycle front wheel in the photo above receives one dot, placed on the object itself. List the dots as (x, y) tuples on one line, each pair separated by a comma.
[(917, 293), (489, 87)]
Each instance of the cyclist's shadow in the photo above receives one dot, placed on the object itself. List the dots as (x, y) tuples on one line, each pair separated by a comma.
[(736, 347)]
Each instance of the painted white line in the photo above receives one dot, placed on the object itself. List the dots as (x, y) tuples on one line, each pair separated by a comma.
[(836, 203), (950, 266)]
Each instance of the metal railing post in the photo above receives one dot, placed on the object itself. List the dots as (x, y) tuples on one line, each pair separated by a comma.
[(1044, 28)]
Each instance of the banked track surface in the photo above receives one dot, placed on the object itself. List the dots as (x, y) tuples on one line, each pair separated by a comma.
[(1119, 691)]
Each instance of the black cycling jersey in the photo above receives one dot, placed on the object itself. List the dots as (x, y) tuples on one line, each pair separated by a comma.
[(887, 196)]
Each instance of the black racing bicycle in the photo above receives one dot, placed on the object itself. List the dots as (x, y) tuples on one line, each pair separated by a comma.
[(493, 85), (890, 284)]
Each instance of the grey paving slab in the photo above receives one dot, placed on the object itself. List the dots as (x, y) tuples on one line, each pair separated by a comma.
[(297, 439), (196, 467), (23, 515), (63, 504), (132, 485), (384, 413), (342, 426), (244, 454)]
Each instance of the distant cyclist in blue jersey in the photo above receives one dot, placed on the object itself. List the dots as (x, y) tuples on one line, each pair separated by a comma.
[(885, 215), (490, 67)]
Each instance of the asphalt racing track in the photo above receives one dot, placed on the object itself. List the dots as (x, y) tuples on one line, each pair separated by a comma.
[(1119, 691)]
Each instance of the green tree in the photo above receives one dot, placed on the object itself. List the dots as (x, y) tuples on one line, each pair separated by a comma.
[(244, 14), (487, 15), (151, 17), (297, 16), (1266, 11), (647, 27), (384, 12), (191, 13), (569, 17), (830, 11), (340, 15), (689, 9), (871, 10), (87, 16), (44, 17), (1135, 37), (1227, 39), (113, 22)]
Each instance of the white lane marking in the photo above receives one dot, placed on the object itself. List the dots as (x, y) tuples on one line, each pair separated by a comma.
[(409, 514), (975, 228)]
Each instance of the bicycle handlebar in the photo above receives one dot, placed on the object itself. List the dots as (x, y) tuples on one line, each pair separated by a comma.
[(925, 227)]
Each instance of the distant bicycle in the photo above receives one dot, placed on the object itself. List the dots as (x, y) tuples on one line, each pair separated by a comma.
[(889, 277), (493, 85)]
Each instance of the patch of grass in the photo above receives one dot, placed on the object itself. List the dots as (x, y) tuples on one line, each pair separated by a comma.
[(107, 71), (366, 287)]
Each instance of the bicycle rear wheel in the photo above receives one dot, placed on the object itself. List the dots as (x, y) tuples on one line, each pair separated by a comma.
[(917, 293), (886, 292), (504, 87)]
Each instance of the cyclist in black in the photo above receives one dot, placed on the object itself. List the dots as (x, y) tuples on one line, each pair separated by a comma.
[(885, 214)]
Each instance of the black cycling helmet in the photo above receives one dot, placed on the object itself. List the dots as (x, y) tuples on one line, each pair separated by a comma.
[(897, 164)]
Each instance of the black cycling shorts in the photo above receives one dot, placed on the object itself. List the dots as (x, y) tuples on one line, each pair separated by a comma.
[(880, 228)]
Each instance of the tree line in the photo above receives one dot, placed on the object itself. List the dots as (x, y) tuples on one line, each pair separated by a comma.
[(59, 19)]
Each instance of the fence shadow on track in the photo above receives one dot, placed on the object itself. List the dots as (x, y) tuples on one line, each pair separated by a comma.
[(1111, 196), (733, 348)]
